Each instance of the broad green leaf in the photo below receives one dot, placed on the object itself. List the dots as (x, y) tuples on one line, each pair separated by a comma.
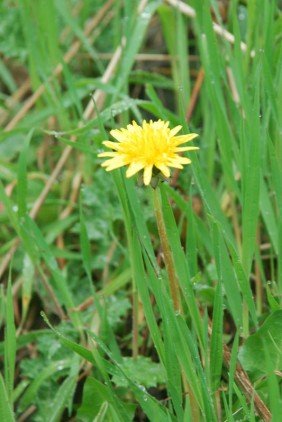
[(268, 340)]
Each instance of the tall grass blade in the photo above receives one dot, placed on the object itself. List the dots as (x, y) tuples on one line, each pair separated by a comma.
[(10, 343)]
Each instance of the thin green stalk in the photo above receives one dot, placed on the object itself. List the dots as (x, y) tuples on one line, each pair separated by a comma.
[(135, 313), (135, 299)]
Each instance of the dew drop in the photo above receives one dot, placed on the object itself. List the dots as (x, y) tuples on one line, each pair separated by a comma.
[(145, 15), (241, 16)]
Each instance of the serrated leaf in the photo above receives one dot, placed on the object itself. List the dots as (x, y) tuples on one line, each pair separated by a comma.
[(141, 370)]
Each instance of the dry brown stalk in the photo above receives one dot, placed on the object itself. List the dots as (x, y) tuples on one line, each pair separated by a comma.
[(52, 295), (145, 57), (27, 413), (76, 181), (245, 384), (67, 57), (26, 85), (195, 94), (219, 30), (243, 381), (98, 99), (191, 107), (232, 84)]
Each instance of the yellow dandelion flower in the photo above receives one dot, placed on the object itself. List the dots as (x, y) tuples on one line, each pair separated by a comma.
[(152, 145)]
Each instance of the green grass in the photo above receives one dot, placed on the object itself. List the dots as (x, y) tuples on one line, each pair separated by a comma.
[(87, 262)]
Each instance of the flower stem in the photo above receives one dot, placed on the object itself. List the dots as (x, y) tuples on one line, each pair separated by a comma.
[(168, 258), (174, 289)]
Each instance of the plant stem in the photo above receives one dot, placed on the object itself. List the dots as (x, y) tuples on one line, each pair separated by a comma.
[(168, 258), (174, 288)]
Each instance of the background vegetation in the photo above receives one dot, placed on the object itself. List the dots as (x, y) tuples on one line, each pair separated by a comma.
[(77, 243)]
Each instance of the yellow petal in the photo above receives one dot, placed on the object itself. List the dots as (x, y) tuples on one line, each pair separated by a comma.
[(148, 174), (185, 149), (175, 164), (184, 138), (117, 134), (107, 154), (112, 145), (114, 163), (164, 169), (134, 168), (183, 160), (175, 130)]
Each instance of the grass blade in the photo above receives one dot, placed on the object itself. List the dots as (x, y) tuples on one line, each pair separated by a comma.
[(10, 344), (6, 413)]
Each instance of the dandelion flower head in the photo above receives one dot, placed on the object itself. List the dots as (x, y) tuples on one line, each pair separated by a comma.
[(152, 147)]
